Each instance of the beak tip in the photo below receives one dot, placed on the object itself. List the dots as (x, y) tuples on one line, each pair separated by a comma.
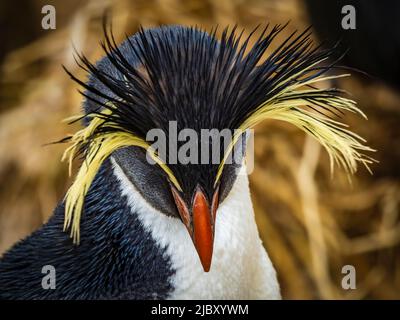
[(206, 265), (206, 268)]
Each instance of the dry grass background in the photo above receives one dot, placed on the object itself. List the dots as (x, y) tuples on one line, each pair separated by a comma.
[(311, 223)]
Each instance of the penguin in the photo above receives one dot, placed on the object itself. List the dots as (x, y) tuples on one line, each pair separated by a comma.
[(131, 228)]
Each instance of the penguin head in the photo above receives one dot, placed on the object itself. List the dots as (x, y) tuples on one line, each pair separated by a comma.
[(194, 201), (191, 79)]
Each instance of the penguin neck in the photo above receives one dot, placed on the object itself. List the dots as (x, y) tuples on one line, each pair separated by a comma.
[(238, 254)]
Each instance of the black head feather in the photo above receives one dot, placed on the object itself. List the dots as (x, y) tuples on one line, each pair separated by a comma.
[(187, 75)]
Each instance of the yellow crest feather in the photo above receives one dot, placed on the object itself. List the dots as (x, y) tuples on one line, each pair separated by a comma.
[(344, 147), (98, 150)]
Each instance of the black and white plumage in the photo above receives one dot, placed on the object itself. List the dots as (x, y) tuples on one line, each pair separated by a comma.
[(116, 259), (134, 240)]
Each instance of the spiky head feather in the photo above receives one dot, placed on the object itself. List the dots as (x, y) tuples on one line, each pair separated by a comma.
[(188, 76)]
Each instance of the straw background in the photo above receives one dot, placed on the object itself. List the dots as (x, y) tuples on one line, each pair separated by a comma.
[(311, 223)]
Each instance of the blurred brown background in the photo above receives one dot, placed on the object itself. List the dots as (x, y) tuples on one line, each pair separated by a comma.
[(312, 223)]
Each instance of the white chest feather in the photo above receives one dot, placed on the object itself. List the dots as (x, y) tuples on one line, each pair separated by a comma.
[(240, 268)]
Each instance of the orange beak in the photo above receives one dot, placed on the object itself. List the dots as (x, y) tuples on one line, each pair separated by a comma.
[(200, 223)]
